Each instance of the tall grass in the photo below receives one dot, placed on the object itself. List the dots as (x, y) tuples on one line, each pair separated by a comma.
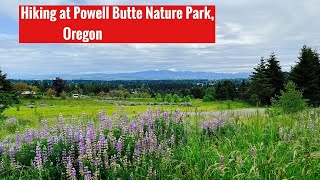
[(162, 145)]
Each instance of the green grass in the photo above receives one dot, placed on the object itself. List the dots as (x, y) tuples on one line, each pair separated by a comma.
[(75, 107), (268, 146), (31, 116)]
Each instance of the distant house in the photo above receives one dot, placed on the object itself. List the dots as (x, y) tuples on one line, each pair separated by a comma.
[(76, 95), (28, 93)]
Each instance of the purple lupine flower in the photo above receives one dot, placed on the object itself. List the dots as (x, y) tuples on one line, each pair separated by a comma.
[(166, 115), (119, 145), (73, 174), (137, 149), (124, 128), (133, 127), (108, 124), (69, 167), (205, 125), (101, 116), (90, 134), (38, 158), (18, 138), (64, 157), (1, 149), (50, 147), (87, 174), (12, 157), (44, 154), (80, 162)]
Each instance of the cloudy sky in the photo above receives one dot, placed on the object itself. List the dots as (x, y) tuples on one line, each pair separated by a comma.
[(246, 30)]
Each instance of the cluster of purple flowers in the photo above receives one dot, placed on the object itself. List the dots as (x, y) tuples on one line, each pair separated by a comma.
[(217, 122), (86, 151)]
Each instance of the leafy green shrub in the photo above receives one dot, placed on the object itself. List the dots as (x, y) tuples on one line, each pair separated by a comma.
[(291, 100), (187, 99), (176, 98), (168, 98), (158, 97), (209, 96)]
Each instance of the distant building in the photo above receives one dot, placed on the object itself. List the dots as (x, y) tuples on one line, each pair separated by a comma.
[(76, 95), (28, 93)]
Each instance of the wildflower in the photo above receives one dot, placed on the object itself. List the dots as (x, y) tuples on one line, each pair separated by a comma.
[(38, 158), (119, 145)]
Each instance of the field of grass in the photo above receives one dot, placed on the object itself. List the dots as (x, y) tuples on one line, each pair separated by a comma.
[(30, 113), (131, 138), (51, 108), (166, 145)]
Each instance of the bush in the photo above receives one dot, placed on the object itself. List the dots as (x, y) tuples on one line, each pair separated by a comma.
[(168, 98), (187, 99), (63, 95), (176, 98), (209, 96), (291, 100), (158, 97)]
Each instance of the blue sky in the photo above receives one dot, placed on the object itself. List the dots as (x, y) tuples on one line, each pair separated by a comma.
[(246, 30)]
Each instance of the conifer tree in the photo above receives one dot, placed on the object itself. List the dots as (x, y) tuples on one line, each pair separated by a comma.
[(260, 90), (7, 94), (306, 75), (275, 74)]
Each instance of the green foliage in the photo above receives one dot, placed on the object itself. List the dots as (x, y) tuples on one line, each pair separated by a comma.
[(260, 90), (306, 75), (176, 98), (58, 86), (158, 97), (209, 96), (63, 95), (7, 94), (275, 74), (291, 99), (187, 99), (226, 90), (50, 93), (169, 98)]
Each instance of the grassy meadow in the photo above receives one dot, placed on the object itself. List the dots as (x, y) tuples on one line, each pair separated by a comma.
[(131, 139), (30, 113)]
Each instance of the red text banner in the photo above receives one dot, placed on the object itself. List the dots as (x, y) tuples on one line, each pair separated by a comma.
[(117, 24)]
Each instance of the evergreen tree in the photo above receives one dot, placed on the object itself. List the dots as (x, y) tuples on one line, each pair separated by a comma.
[(260, 90), (58, 86), (7, 94), (305, 74), (242, 89), (291, 99), (275, 74), (226, 90)]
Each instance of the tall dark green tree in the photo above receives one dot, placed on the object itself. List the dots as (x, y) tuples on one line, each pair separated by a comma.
[(275, 74), (59, 86), (226, 90), (242, 89), (7, 95), (260, 90), (306, 75)]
